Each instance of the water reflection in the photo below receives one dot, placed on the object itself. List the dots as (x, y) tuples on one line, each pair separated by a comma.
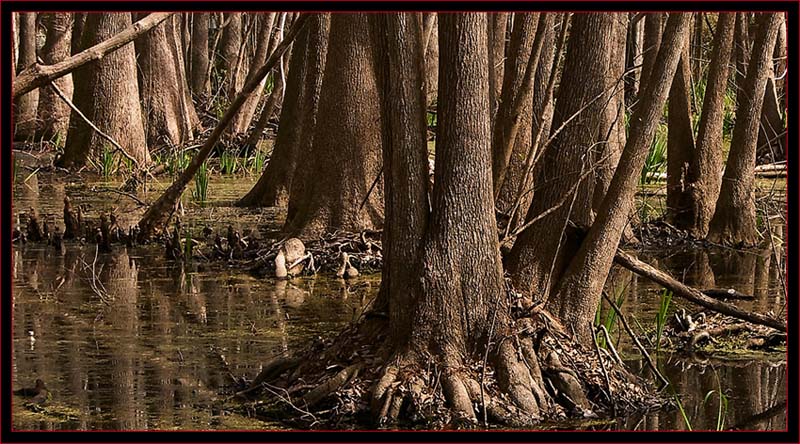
[(141, 343)]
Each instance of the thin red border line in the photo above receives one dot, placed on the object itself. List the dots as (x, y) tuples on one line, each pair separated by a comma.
[(786, 234)]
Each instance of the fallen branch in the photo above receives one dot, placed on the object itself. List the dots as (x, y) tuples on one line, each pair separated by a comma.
[(693, 294), (38, 75)]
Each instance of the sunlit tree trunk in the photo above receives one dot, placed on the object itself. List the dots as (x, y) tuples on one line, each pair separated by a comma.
[(53, 113)]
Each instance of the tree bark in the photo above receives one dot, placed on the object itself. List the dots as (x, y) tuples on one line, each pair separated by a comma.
[(633, 57), (169, 113), (53, 113), (680, 139), (653, 28), (298, 116), (39, 75), (585, 92), (108, 94), (199, 61), (432, 63), (695, 199), (734, 220), (25, 105), (515, 171), (267, 39), (401, 74), (771, 132), (496, 39), (513, 120), (577, 294), (229, 54), (344, 159)]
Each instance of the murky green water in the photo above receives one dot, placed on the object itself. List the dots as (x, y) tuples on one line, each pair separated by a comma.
[(132, 341)]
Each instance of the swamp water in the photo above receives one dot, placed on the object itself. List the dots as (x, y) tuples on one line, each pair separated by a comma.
[(128, 340)]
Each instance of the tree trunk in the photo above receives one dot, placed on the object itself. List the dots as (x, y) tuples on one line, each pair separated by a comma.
[(771, 132), (696, 195), (653, 28), (585, 92), (169, 113), (344, 159), (401, 74), (515, 171), (734, 220), (298, 116), (512, 123), (108, 94), (680, 140), (25, 106), (432, 63), (696, 47), (53, 113), (633, 57), (577, 294), (267, 39), (742, 52), (200, 82), (496, 39), (229, 54)]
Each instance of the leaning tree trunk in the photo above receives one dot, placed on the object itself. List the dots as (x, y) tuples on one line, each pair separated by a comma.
[(652, 41), (166, 103), (734, 220), (25, 106), (697, 194), (680, 138), (771, 132), (577, 293), (567, 166), (106, 92), (344, 160), (298, 116), (496, 39), (267, 39), (199, 58), (53, 113), (633, 56)]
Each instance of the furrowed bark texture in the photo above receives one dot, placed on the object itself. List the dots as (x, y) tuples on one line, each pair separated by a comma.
[(25, 106), (200, 83), (345, 158)]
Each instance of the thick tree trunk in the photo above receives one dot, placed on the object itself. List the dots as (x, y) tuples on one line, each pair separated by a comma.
[(401, 73), (53, 113), (169, 113), (577, 294), (680, 139), (267, 39), (108, 94), (199, 61), (25, 106), (566, 167), (298, 116), (734, 220), (696, 196), (515, 172), (344, 159)]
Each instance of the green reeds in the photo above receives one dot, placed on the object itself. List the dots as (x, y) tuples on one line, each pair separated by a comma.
[(656, 160), (200, 192), (661, 317)]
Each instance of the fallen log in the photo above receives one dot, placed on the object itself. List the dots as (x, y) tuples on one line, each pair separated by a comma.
[(692, 294)]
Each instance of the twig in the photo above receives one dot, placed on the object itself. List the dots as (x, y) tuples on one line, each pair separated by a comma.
[(93, 126), (603, 369), (128, 195), (610, 344), (372, 187), (635, 339)]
